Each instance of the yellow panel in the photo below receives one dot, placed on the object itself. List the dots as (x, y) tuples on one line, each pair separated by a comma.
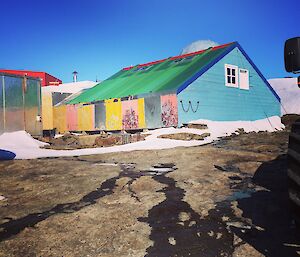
[(141, 112), (113, 114), (86, 117), (47, 111), (60, 118)]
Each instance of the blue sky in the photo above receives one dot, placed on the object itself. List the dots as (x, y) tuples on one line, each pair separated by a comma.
[(98, 38)]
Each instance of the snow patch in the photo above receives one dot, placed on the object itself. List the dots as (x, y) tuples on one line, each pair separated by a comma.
[(198, 46), (222, 128), (73, 87), (289, 92), (25, 147)]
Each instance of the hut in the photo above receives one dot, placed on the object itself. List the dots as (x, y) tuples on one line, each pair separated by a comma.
[(219, 83), (55, 118), (46, 78)]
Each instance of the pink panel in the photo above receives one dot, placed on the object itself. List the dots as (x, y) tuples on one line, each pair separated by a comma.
[(130, 119), (169, 113), (72, 120)]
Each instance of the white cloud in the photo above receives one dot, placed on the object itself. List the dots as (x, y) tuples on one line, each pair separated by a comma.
[(198, 45)]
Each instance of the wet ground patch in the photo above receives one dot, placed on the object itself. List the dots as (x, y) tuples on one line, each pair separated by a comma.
[(177, 230)]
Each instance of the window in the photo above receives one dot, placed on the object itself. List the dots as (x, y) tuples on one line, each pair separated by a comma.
[(143, 68), (231, 76), (178, 60), (184, 60), (244, 79)]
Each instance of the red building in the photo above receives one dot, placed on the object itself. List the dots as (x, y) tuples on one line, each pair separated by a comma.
[(47, 79)]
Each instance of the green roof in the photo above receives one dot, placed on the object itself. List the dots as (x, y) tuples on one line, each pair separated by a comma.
[(161, 76)]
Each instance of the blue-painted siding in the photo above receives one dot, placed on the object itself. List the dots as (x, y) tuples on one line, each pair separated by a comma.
[(221, 103)]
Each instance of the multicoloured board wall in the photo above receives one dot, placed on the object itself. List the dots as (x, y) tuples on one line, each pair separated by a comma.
[(150, 112)]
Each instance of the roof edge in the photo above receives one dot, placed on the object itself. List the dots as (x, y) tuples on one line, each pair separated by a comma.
[(178, 56), (258, 71), (207, 67), (18, 76)]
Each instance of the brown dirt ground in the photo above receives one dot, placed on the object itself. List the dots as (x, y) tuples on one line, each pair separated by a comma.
[(224, 199)]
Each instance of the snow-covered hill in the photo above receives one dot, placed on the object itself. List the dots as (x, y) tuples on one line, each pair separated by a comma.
[(289, 93)]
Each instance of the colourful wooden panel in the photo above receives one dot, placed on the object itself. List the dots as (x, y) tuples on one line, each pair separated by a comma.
[(100, 116), (60, 118), (113, 113), (72, 118), (153, 111), (169, 113), (47, 111), (130, 117), (141, 112), (86, 117)]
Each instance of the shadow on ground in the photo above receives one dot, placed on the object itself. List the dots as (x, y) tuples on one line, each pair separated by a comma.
[(272, 231)]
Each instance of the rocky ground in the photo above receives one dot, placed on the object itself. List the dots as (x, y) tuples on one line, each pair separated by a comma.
[(224, 199), (70, 141)]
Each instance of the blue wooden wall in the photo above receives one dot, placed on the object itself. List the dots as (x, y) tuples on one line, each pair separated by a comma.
[(221, 103)]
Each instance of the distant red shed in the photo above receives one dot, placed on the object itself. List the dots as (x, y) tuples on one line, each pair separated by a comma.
[(47, 79)]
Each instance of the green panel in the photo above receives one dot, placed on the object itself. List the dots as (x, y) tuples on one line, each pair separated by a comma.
[(14, 111), (13, 92), (166, 76), (32, 93), (32, 107)]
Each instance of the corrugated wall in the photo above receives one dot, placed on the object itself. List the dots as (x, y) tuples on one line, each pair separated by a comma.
[(14, 104), (20, 101), (113, 112), (2, 106), (32, 100)]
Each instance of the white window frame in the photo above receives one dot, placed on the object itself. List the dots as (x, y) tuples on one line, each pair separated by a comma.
[(230, 75)]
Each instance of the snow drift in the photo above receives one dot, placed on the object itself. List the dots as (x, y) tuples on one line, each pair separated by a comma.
[(289, 93), (25, 147)]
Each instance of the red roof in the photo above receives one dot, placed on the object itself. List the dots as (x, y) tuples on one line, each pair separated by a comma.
[(46, 79), (177, 57)]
